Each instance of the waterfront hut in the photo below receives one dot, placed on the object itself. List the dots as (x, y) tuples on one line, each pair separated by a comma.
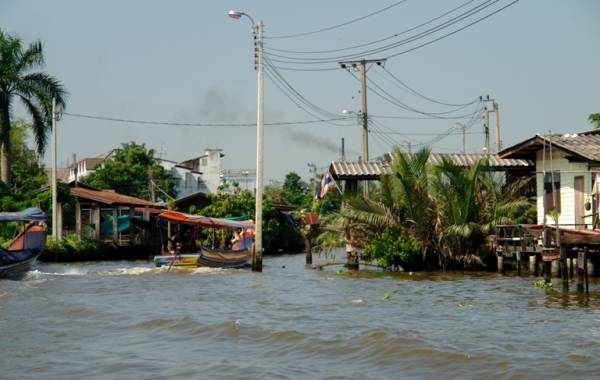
[(109, 214), (567, 168)]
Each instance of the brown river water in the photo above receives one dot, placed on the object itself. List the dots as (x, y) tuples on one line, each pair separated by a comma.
[(128, 320)]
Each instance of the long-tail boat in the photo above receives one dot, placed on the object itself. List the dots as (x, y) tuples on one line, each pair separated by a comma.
[(22, 252), (183, 246)]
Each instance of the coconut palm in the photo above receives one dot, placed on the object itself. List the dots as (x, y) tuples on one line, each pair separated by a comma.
[(470, 204), (34, 89)]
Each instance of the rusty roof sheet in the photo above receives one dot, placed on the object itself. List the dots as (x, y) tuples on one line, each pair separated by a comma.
[(110, 197), (373, 169)]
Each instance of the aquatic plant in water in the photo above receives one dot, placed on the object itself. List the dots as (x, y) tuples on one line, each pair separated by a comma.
[(542, 284)]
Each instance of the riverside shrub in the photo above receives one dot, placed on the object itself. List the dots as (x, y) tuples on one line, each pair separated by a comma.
[(393, 249)]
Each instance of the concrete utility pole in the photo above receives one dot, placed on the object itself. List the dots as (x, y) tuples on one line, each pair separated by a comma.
[(486, 129), (257, 256), (362, 68), (498, 140), (486, 124), (258, 29), (463, 129), (54, 175)]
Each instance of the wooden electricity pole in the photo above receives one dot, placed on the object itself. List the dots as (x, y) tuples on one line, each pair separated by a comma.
[(361, 65)]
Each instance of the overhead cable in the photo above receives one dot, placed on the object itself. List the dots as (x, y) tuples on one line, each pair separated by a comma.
[(268, 48), (150, 122), (339, 25)]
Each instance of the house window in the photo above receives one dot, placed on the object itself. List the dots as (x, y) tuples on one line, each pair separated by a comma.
[(203, 162), (552, 192)]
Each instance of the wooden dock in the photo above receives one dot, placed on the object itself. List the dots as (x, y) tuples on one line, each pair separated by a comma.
[(548, 250)]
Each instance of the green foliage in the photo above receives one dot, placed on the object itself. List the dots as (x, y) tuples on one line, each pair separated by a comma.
[(295, 191), (71, 249), (28, 174), (594, 118), (394, 248), (448, 210), (34, 89), (542, 284), (230, 201), (526, 214), (129, 171)]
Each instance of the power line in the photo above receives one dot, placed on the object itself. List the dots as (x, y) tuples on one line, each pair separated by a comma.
[(150, 122), (290, 97), (320, 60), (339, 25), (454, 32), (375, 41), (430, 133), (395, 101), (423, 96), (296, 93)]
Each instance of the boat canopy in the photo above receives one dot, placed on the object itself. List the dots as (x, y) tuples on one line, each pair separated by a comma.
[(29, 214), (180, 217)]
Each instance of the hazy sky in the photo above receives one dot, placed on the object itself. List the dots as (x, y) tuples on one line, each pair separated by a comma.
[(186, 61)]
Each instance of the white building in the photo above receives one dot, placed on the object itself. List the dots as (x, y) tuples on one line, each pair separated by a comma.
[(202, 174), (86, 166), (210, 164), (567, 175), (188, 181)]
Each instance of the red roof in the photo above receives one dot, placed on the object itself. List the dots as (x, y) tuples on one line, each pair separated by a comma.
[(110, 197)]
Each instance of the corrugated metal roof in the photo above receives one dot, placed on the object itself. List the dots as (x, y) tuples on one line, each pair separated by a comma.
[(468, 159), (373, 169), (585, 145), (359, 170), (110, 197)]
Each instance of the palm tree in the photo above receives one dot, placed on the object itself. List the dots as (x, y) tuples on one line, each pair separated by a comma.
[(35, 90), (594, 118)]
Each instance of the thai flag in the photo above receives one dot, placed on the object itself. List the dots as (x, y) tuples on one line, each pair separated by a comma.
[(327, 185)]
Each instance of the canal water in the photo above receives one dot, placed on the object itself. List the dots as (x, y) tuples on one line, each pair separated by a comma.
[(128, 320)]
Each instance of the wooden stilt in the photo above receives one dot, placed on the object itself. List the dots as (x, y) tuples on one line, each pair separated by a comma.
[(585, 271), (564, 270), (78, 220), (500, 261), (571, 269), (548, 271), (580, 270), (308, 246), (131, 215), (518, 263), (532, 264), (96, 221), (115, 224)]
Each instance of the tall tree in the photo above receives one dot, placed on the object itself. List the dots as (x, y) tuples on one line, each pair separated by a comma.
[(295, 190), (594, 118), (133, 170), (35, 89)]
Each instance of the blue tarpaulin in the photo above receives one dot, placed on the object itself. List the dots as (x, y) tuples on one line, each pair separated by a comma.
[(31, 213), (123, 222)]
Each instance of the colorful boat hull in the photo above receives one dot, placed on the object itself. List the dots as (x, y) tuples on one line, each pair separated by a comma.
[(23, 251), (211, 258)]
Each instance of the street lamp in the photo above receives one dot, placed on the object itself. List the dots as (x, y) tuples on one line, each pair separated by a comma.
[(258, 29)]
